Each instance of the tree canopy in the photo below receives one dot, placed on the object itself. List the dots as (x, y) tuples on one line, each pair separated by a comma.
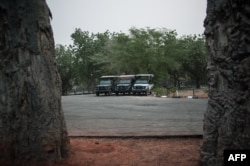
[(172, 60)]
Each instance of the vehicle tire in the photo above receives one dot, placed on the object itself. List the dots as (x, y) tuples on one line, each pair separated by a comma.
[(97, 94), (117, 94)]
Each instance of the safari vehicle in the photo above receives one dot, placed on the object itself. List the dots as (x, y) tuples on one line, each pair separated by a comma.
[(143, 84), (124, 84), (106, 85)]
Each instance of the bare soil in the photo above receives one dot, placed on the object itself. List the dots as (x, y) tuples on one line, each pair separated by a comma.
[(200, 93), (171, 151), (133, 152)]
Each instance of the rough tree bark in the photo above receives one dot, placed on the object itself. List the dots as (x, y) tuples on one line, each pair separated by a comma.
[(227, 119), (32, 125)]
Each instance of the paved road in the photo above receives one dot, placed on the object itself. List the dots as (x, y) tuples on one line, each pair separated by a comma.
[(88, 115)]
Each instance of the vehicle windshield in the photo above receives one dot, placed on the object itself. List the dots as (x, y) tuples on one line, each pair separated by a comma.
[(105, 82), (141, 81), (124, 81)]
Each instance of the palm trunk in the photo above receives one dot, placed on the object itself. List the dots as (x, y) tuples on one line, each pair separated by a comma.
[(32, 125), (226, 123)]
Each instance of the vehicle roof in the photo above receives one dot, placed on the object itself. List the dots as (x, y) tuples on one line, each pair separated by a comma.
[(152, 75), (110, 76), (127, 76)]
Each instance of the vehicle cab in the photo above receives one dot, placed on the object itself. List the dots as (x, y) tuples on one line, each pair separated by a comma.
[(106, 85), (143, 84), (124, 84)]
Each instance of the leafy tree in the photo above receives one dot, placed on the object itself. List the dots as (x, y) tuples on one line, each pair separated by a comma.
[(168, 60), (156, 51), (193, 58), (85, 46), (142, 51), (82, 49), (65, 67), (118, 60), (128, 53)]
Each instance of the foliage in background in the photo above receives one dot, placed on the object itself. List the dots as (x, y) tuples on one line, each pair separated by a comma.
[(159, 91), (193, 59), (65, 67), (85, 46), (172, 60)]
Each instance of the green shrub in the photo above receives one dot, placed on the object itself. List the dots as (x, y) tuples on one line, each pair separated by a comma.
[(172, 90), (161, 91)]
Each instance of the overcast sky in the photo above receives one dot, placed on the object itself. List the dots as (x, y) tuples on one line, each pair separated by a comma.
[(184, 16)]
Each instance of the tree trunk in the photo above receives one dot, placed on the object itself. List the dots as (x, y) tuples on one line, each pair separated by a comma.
[(197, 83), (32, 125), (227, 119)]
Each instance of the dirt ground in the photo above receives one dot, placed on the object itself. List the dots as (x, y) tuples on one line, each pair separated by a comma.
[(200, 93), (171, 151), (133, 152)]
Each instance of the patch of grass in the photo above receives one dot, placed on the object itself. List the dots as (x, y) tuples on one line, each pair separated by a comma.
[(163, 91), (160, 91)]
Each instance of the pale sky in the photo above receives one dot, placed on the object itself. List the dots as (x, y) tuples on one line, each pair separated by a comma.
[(184, 16)]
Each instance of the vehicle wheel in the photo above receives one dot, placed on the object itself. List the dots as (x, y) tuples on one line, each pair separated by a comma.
[(97, 94), (117, 94)]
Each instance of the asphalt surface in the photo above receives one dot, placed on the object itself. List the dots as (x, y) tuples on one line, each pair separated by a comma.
[(89, 115)]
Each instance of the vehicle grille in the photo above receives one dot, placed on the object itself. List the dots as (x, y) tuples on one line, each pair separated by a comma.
[(101, 88), (121, 87), (139, 87)]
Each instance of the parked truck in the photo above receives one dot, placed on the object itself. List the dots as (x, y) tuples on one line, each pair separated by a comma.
[(143, 84), (106, 85), (124, 84)]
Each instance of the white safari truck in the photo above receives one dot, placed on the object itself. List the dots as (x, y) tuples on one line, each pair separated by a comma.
[(143, 84)]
